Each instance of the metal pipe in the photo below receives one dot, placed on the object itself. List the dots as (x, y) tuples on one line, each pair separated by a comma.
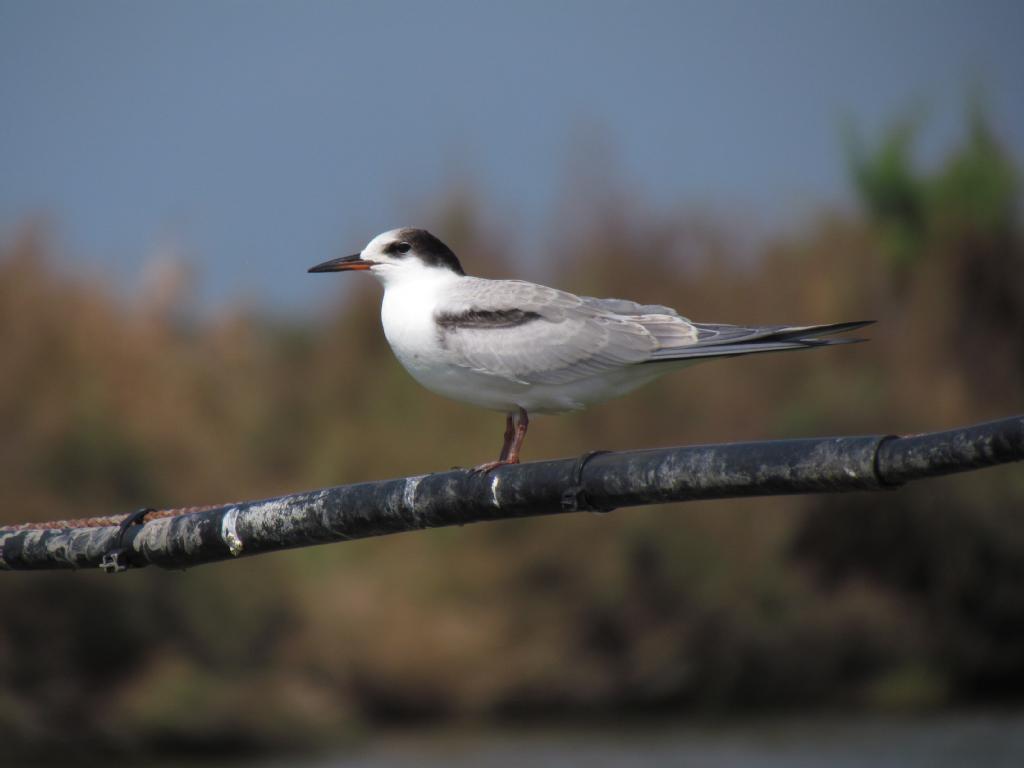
[(597, 481)]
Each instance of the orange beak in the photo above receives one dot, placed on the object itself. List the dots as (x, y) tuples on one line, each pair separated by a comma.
[(344, 264)]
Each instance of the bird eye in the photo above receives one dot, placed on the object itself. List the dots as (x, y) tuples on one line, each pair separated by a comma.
[(403, 248)]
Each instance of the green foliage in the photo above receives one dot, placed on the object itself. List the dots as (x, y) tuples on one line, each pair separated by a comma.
[(977, 190), (975, 193), (891, 191)]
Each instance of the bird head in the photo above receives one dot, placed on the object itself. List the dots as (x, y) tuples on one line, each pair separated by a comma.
[(399, 254)]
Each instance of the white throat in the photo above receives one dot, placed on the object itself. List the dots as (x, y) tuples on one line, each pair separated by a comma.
[(413, 274)]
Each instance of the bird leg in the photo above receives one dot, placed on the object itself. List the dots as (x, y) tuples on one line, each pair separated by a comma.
[(515, 433), (510, 433), (517, 443)]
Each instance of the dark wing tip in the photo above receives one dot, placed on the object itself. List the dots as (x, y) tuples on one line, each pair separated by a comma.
[(830, 328)]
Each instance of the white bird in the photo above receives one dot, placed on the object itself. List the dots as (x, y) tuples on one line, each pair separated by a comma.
[(520, 348)]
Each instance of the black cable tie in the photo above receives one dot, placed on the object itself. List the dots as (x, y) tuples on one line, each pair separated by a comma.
[(116, 559), (575, 498)]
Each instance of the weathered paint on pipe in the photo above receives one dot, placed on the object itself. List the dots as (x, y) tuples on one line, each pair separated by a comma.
[(956, 450), (602, 481)]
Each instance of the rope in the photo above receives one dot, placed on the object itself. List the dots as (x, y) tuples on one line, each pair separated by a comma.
[(108, 520)]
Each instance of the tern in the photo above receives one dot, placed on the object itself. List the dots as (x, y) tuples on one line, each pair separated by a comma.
[(521, 348)]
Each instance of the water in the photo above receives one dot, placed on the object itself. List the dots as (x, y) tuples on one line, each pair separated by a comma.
[(991, 740)]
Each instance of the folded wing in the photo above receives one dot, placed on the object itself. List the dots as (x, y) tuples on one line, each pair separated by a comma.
[(720, 340), (533, 334)]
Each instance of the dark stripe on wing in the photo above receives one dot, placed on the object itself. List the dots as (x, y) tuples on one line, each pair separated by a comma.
[(484, 319)]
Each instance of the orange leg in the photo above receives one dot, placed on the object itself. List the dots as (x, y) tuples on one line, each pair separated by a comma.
[(515, 433)]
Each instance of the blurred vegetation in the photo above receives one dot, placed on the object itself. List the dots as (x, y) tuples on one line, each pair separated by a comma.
[(908, 600)]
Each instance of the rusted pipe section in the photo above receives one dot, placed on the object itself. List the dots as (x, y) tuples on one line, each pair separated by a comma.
[(597, 481)]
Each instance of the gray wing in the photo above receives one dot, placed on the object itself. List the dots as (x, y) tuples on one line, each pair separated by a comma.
[(538, 335), (721, 340), (533, 334)]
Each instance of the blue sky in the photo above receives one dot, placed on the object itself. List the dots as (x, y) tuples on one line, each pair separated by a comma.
[(259, 138)]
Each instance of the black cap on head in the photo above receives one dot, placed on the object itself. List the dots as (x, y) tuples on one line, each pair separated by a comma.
[(429, 249)]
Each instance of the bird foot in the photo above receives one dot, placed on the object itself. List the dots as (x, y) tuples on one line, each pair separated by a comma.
[(489, 466)]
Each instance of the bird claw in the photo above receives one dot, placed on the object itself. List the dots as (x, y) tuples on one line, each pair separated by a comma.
[(490, 466)]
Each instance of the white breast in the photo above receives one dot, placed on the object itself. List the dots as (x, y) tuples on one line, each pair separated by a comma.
[(407, 315)]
